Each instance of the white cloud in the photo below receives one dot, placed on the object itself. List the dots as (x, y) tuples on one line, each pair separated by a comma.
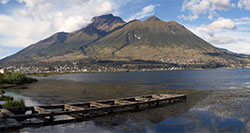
[(217, 25), (244, 4), (39, 19), (197, 7), (4, 1), (224, 40), (233, 5), (243, 21), (222, 23), (220, 4), (226, 33), (146, 11), (192, 17)]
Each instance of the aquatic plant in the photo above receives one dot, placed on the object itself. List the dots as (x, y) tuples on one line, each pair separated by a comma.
[(1, 91), (15, 78), (14, 104), (6, 98)]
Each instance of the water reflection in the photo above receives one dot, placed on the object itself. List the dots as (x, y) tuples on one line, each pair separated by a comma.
[(219, 103), (57, 91)]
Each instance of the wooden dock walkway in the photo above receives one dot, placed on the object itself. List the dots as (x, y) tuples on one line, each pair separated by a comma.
[(16, 118)]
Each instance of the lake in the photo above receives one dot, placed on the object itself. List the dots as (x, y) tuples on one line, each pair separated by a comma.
[(197, 79), (218, 100)]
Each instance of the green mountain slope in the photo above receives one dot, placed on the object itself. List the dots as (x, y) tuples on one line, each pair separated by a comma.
[(156, 40), (109, 38)]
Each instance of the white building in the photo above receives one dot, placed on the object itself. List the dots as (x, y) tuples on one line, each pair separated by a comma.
[(1, 70)]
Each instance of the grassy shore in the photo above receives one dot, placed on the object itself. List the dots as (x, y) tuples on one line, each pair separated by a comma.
[(13, 80)]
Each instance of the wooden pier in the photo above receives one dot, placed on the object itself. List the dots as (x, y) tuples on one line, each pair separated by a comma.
[(16, 118)]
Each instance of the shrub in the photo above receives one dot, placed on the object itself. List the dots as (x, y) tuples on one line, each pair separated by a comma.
[(14, 104), (15, 78), (1, 77), (6, 98), (1, 91)]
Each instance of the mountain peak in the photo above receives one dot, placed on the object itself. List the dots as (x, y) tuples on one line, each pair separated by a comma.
[(107, 18), (152, 19), (106, 22)]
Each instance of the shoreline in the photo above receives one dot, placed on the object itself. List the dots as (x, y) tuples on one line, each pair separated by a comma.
[(45, 74)]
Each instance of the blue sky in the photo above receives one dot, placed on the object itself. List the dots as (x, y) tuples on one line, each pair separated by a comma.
[(223, 23)]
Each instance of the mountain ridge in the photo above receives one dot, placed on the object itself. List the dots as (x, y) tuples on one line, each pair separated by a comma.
[(109, 38)]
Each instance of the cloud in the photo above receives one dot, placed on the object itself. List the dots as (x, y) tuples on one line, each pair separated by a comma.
[(226, 33), (192, 17), (198, 7), (217, 25), (4, 1), (220, 4), (244, 4), (38, 19), (146, 11), (242, 21), (209, 32), (224, 40), (222, 23)]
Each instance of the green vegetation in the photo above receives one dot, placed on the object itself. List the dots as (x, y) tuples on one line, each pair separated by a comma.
[(6, 98), (15, 103), (15, 78), (1, 91)]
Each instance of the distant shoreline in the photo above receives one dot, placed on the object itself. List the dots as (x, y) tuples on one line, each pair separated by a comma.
[(44, 74)]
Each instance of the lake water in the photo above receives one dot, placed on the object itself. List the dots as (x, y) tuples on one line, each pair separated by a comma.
[(218, 100), (196, 79)]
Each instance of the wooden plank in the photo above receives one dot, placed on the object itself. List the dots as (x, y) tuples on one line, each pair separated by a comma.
[(44, 111), (124, 102), (5, 113), (41, 110), (99, 105), (72, 108), (142, 99)]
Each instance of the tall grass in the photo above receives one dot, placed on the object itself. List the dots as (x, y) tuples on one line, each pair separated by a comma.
[(15, 78), (14, 104)]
